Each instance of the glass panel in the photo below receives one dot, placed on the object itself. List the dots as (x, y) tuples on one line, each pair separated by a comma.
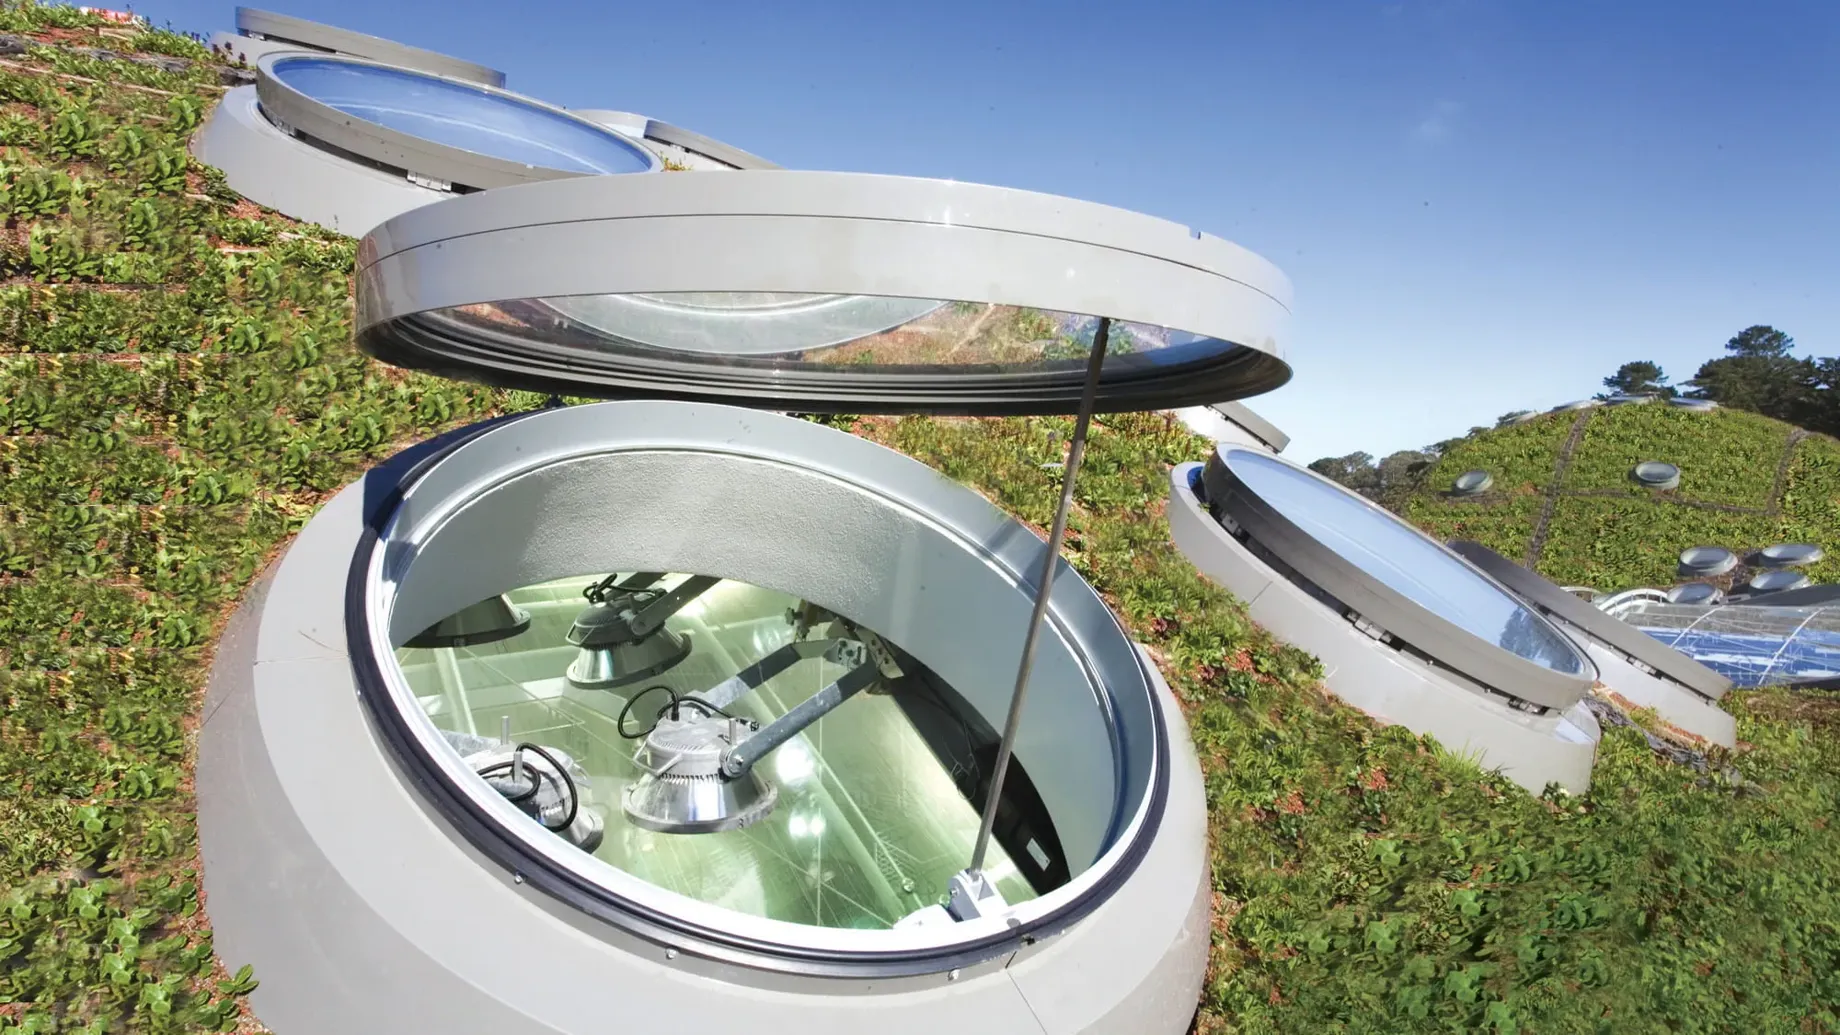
[(872, 818), (1749, 644), (462, 116), (1402, 559), (870, 334)]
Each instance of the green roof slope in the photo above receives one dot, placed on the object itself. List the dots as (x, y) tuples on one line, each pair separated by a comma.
[(178, 394), (1564, 502)]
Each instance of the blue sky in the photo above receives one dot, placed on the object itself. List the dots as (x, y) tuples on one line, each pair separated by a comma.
[(1483, 206)]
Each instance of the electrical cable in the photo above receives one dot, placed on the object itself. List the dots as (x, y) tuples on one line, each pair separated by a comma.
[(620, 723), (536, 783)]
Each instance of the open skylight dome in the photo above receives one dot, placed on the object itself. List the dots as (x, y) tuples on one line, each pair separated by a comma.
[(349, 143), (1407, 630), (1682, 692), (747, 746)]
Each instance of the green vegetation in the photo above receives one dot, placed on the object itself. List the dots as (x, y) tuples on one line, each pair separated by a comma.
[(1747, 481), (178, 394)]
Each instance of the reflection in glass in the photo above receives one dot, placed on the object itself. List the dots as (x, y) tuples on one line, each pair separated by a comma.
[(1749, 644), (877, 802), (462, 116), (1403, 559), (760, 331)]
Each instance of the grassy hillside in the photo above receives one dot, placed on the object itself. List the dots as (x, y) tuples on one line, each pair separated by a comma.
[(178, 395), (1564, 502)]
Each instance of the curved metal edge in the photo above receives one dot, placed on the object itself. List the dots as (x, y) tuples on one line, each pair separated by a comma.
[(1260, 428), (697, 143), (1388, 684), (1557, 603), (504, 849), (858, 199), (825, 233), (422, 157), (1453, 647), (329, 38), (295, 178)]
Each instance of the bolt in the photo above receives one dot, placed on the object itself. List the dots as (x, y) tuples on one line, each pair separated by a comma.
[(953, 976), (670, 954), (517, 878)]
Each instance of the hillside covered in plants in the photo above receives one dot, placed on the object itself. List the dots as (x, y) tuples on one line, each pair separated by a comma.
[(1563, 500), (178, 394)]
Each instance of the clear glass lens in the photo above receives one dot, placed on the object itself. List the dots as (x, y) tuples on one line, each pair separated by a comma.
[(875, 802), (1403, 559), (462, 116), (871, 333)]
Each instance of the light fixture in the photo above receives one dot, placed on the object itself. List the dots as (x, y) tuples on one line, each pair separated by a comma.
[(1014, 660), (488, 621), (621, 636), (699, 768), (1789, 555), (1640, 669), (1407, 630)]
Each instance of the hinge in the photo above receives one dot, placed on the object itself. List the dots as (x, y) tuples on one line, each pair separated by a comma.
[(431, 183), (1366, 627)]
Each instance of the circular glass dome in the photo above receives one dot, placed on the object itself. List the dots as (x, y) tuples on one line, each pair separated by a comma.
[(460, 115), (845, 710), (1695, 593), (1790, 555), (1404, 560), (1471, 483), (1777, 581), (1656, 474), (1707, 560)]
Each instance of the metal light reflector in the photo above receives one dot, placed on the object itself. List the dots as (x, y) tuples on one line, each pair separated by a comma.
[(1408, 631), (349, 143), (489, 621), (1032, 304), (1682, 692)]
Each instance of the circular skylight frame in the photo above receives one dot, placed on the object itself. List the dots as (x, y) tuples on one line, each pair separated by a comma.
[(1472, 483), (1253, 424), (1776, 580), (707, 147), (475, 476), (1695, 593), (1656, 474), (1567, 609), (847, 234), (330, 39), (1706, 561), (1789, 555), (455, 167), (1408, 623)]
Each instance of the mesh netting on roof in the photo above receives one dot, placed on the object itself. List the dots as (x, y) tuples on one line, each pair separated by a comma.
[(1751, 645)]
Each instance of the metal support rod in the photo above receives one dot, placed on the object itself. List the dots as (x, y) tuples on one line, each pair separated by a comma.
[(1076, 449)]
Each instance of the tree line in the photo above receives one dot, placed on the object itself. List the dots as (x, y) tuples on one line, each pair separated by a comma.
[(1756, 373)]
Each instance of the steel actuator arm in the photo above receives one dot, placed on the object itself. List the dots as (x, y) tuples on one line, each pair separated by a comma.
[(653, 615), (740, 758)]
